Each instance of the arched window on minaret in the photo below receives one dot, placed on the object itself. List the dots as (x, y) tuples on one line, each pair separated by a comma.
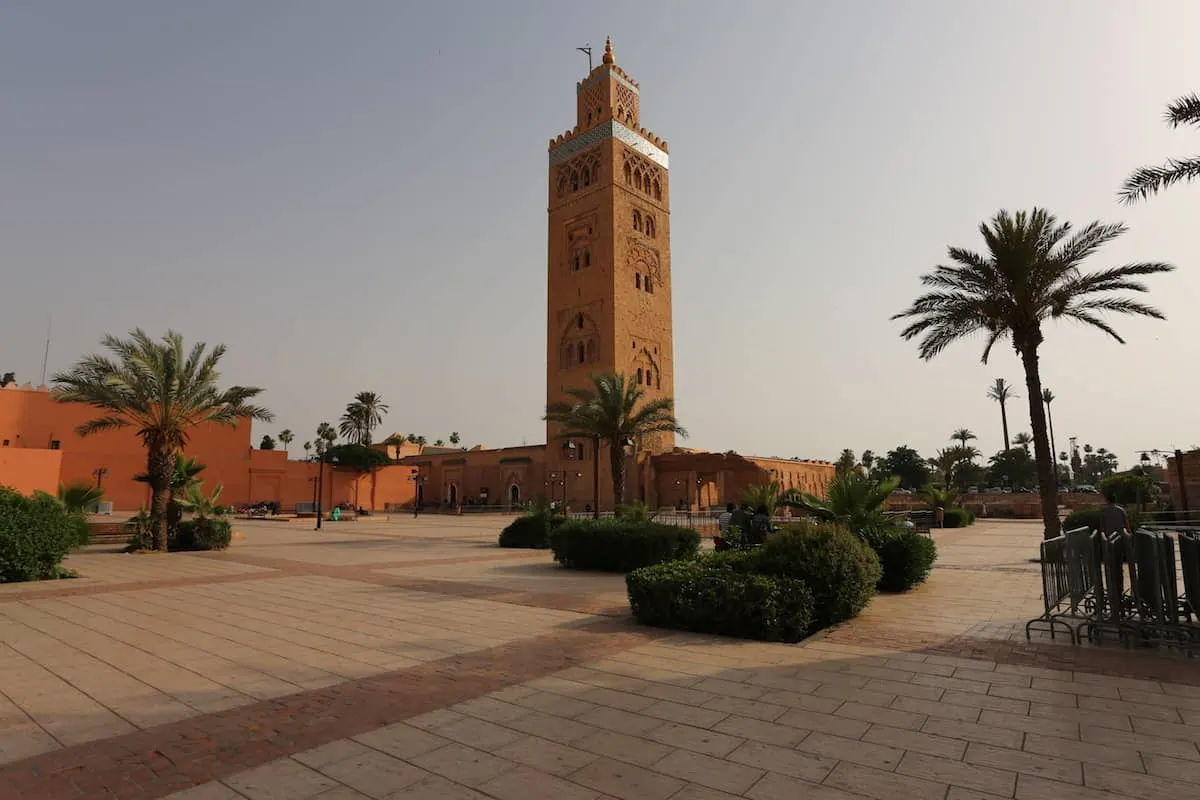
[(582, 353), (657, 190), (637, 282), (628, 173), (574, 181), (579, 322), (577, 262), (650, 226), (637, 180), (637, 220), (591, 350), (639, 376), (587, 258), (649, 285), (587, 177)]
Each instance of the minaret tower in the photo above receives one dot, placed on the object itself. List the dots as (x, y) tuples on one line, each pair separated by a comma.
[(609, 266)]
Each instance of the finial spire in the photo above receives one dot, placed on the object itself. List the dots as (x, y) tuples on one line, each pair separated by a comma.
[(608, 53)]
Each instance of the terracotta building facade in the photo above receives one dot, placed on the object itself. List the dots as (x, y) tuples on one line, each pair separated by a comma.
[(608, 310)]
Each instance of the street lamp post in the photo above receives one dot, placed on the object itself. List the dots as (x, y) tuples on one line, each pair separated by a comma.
[(321, 483), (418, 479)]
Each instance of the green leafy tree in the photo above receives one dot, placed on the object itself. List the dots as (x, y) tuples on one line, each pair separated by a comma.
[(80, 496), (362, 417), (162, 391), (846, 461), (1013, 467), (905, 464), (1137, 487), (614, 410), (852, 498), (7, 378), (286, 437), (1001, 391), (1096, 465), (358, 457), (1032, 274), (955, 466), (203, 505), (267, 443), (1146, 181)]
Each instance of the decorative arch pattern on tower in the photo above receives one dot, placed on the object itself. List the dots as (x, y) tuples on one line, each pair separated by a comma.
[(644, 262), (642, 175), (579, 343), (578, 173)]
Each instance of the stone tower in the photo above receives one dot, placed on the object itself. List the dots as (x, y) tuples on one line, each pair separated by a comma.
[(609, 269)]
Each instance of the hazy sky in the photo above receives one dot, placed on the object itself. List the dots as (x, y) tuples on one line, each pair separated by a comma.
[(352, 195)]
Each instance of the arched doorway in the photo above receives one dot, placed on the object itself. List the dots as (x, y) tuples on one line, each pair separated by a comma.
[(452, 494), (514, 495)]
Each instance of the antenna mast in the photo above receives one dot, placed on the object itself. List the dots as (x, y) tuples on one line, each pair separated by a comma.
[(46, 355), (587, 49)]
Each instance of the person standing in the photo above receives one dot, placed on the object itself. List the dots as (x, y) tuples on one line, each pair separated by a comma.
[(1113, 518)]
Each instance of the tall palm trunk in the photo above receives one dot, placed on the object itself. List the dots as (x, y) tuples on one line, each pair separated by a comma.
[(1053, 447), (595, 477), (1041, 443), (617, 454), (1004, 421), (160, 464)]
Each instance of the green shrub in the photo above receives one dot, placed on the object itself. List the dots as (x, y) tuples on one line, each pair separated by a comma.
[(1090, 518), (82, 533), (691, 596), (36, 533), (202, 533), (530, 530), (906, 557), (958, 518), (617, 545), (839, 568)]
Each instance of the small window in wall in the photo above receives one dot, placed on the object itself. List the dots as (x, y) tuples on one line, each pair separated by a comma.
[(649, 377), (589, 118), (640, 376), (637, 181), (649, 285), (6, 443), (650, 226), (55, 444), (637, 281), (582, 353), (587, 177), (587, 258), (574, 181), (628, 174), (576, 262), (657, 191), (579, 322), (637, 220)]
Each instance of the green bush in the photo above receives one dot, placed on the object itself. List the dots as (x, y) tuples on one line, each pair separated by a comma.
[(692, 596), (530, 530), (617, 545), (1090, 518), (82, 533), (36, 533), (202, 533), (839, 568), (906, 557), (958, 518)]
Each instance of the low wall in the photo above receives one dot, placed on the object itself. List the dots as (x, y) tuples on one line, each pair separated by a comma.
[(1015, 505)]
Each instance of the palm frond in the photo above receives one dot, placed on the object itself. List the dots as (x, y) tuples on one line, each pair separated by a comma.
[(1146, 181), (1184, 111)]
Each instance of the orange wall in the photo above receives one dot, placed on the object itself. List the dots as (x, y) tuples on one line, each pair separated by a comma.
[(28, 471)]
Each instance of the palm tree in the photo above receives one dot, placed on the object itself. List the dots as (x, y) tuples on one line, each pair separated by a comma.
[(439, 443), (454, 438), (184, 475), (867, 459), (1151, 180), (420, 441), (851, 498), (201, 504), (362, 416), (764, 495), (80, 496), (846, 461), (962, 436), (286, 437), (1047, 399), (307, 450), (164, 392), (1002, 391), (326, 436), (1023, 440), (1031, 275), (7, 378), (615, 411)]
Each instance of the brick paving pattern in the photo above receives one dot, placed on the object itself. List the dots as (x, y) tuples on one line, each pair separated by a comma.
[(412, 659)]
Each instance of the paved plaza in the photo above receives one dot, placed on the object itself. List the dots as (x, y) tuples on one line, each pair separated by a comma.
[(402, 658)]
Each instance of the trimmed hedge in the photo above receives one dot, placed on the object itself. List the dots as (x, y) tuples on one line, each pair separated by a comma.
[(839, 568), (907, 558), (958, 518), (531, 530), (36, 533), (617, 545), (691, 596), (202, 533)]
